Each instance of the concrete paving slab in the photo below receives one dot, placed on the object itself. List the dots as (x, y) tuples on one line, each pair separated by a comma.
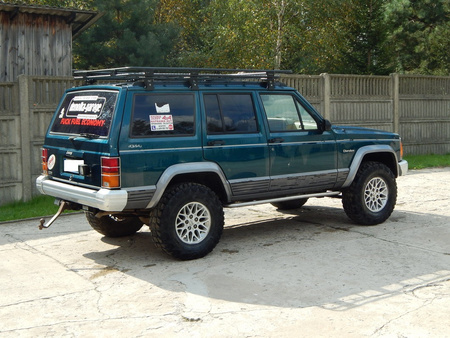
[(305, 273)]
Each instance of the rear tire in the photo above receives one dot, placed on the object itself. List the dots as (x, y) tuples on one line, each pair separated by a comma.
[(289, 205), (114, 226), (372, 196), (188, 221)]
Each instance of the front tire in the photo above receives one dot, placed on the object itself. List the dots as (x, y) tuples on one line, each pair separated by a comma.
[(372, 196), (114, 226), (188, 221)]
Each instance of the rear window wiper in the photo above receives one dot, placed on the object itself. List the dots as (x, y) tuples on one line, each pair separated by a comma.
[(89, 135), (85, 135)]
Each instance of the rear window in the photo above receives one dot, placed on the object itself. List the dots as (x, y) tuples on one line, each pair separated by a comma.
[(86, 112)]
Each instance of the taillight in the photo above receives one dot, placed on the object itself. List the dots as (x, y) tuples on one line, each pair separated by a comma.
[(44, 162), (110, 172), (401, 150)]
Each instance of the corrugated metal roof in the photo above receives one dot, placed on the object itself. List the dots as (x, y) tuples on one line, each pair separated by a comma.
[(79, 19)]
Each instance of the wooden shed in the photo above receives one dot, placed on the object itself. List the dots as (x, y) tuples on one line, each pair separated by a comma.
[(37, 40)]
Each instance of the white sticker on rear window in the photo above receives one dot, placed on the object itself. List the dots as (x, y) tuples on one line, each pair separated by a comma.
[(162, 109), (91, 105), (86, 98), (87, 116), (161, 122)]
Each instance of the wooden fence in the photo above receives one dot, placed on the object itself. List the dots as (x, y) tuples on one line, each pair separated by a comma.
[(26, 108), (416, 107)]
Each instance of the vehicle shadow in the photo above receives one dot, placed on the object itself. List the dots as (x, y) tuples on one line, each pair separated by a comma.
[(313, 257)]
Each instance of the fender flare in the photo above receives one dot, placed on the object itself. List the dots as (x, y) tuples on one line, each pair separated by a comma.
[(187, 168), (358, 158)]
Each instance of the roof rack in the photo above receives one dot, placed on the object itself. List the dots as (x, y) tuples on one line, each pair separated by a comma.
[(149, 75)]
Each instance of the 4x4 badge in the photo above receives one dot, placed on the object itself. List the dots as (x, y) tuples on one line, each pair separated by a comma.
[(135, 146)]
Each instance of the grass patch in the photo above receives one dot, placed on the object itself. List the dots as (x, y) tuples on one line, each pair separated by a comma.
[(37, 207), (427, 161)]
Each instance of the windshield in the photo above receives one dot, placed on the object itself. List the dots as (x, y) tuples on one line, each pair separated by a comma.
[(86, 112)]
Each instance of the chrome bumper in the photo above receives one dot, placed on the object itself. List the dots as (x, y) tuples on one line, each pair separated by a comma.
[(103, 199), (402, 167)]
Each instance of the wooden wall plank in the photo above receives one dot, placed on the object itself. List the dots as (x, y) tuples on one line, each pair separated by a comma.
[(33, 44)]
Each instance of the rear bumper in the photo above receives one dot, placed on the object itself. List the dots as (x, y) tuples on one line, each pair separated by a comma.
[(402, 167), (103, 199)]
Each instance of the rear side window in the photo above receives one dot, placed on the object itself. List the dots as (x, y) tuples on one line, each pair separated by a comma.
[(230, 113), (163, 114), (87, 112)]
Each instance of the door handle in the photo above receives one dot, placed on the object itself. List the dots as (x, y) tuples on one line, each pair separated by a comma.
[(276, 140), (216, 143)]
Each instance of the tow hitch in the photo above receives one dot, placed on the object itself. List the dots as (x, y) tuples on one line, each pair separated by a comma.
[(63, 205)]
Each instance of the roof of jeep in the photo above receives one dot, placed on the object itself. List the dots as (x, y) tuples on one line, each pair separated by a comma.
[(193, 78)]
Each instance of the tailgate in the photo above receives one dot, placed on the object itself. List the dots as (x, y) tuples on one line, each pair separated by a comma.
[(80, 135)]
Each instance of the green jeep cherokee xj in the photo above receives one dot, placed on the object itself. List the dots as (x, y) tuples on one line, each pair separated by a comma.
[(171, 147)]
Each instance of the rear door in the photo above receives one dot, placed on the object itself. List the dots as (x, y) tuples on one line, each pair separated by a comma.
[(233, 138), (80, 134), (158, 130), (302, 156)]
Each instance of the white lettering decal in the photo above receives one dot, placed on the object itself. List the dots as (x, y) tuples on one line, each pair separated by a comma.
[(86, 107)]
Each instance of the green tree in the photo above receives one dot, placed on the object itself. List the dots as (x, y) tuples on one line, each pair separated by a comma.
[(237, 33), (233, 37), (222, 36), (189, 17), (366, 52), (338, 36), (127, 35), (317, 37), (419, 37)]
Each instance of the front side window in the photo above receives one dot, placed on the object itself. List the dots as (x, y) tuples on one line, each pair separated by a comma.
[(285, 113), (230, 113), (86, 112), (162, 114)]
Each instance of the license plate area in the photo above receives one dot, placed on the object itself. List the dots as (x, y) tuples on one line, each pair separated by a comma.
[(72, 166)]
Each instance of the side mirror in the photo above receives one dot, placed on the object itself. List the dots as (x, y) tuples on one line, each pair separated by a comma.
[(326, 125)]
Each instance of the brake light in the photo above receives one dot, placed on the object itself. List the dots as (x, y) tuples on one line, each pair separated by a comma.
[(110, 172), (44, 161), (401, 150)]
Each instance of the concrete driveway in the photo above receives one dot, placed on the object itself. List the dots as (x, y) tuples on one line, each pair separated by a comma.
[(309, 273)]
